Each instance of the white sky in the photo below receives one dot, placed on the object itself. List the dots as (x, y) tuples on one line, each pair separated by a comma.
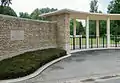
[(81, 5)]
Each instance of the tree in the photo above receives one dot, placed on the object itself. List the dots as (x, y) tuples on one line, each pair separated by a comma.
[(7, 11), (46, 10), (35, 14), (94, 6), (5, 2), (24, 15), (80, 30), (71, 27), (114, 7), (93, 9), (102, 27)]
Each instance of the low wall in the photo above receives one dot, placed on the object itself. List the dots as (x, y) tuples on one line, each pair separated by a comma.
[(19, 35)]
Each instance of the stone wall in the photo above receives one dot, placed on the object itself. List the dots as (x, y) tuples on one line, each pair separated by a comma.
[(63, 30), (20, 35)]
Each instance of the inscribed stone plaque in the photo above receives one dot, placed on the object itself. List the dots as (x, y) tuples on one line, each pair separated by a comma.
[(17, 34)]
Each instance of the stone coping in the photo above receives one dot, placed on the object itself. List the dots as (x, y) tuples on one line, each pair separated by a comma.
[(25, 19)]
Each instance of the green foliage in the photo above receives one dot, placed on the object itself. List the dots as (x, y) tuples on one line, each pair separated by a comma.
[(80, 30), (5, 2), (24, 15), (7, 11), (46, 10), (92, 30), (93, 9), (35, 14), (92, 24), (71, 27), (102, 27), (115, 27), (27, 63), (114, 7), (115, 38), (94, 6)]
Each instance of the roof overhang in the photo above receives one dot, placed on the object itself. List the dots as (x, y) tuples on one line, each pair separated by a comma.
[(83, 15)]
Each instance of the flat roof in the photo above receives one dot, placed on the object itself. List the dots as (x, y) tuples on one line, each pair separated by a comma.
[(83, 15)]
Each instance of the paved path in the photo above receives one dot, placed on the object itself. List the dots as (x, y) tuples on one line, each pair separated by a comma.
[(111, 81), (81, 65)]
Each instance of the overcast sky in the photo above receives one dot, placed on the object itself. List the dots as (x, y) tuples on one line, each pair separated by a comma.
[(81, 5)]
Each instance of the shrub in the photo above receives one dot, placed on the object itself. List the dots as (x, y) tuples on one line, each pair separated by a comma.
[(115, 38), (26, 63), (7, 11)]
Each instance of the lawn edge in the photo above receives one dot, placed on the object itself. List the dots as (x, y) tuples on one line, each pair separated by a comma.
[(41, 69)]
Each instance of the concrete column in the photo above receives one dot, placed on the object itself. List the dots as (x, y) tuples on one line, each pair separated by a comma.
[(87, 32), (108, 32), (74, 27), (97, 31)]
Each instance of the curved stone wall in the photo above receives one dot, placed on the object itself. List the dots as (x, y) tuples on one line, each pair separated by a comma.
[(20, 35)]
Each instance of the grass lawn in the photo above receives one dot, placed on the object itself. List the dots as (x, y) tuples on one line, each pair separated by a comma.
[(94, 41), (27, 63), (84, 41)]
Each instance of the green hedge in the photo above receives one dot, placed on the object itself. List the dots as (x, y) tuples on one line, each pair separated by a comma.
[(27, 63)]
